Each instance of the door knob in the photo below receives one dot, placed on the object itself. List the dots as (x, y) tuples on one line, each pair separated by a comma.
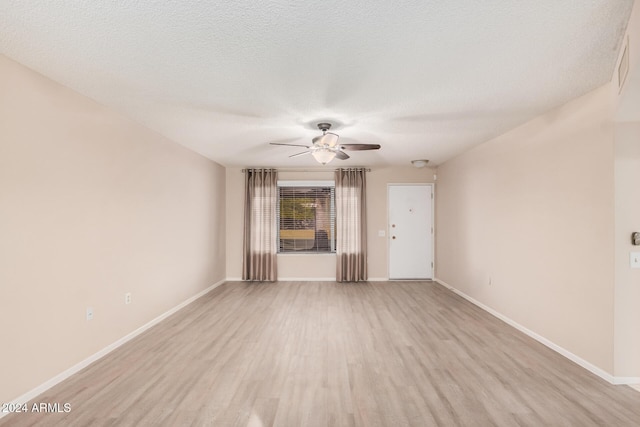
[(394, 237)]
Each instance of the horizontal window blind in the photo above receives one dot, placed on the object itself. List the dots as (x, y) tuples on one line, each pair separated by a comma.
[(306, 217)]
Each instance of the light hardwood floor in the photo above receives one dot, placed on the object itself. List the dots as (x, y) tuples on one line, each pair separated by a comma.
[(329, 354)]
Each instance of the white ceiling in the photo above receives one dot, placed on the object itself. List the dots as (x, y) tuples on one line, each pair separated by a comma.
[(425, 79)]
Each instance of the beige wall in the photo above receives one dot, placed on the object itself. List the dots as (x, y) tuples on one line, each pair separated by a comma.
[(629, 99), (92, 206), (627, 206), (525, 225), (305, 266), (627, 294)]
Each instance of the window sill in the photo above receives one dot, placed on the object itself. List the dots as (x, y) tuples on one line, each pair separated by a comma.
[(306, 253)]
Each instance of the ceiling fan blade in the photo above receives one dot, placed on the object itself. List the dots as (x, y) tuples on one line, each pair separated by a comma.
[(359, 147), (327, 139), (331, 139), (290, 145), (342, 155), (300, 154)]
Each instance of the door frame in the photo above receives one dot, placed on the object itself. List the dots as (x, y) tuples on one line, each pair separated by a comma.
[(433, 225)]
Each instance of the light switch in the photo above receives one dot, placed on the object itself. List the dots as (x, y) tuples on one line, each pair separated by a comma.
[(634, 259), (381, 233)]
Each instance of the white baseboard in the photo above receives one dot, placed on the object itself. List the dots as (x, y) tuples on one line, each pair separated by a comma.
[(630, 381), (553, 346), (108, 349)]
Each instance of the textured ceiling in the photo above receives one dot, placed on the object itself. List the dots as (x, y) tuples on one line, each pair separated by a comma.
[(425, 79)]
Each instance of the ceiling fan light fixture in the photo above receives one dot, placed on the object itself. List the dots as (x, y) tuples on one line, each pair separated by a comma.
[(323, 155), (419, 163), (325, 147)]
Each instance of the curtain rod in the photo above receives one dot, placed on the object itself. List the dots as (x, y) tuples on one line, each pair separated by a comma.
[(305, 170)]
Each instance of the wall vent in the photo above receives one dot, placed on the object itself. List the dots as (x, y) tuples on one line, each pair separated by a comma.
[(623, 67)]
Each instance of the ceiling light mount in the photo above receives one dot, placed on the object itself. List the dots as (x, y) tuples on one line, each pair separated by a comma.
[(419, 163)]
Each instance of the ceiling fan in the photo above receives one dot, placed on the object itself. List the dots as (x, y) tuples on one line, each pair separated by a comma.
[(325, 147)]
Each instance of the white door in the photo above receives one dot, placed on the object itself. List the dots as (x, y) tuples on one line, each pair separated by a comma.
[(410, 231)]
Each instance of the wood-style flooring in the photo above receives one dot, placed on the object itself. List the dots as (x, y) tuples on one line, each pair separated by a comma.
[(330, 354)]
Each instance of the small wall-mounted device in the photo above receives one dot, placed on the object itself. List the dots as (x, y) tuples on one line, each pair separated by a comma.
[(635, 238)]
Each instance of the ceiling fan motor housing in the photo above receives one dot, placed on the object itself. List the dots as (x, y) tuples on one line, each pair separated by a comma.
[(324, 126)]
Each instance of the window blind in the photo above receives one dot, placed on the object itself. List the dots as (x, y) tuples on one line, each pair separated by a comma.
[(306, 218)]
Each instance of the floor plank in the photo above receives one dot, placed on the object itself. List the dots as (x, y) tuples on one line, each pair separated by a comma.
[(330, 354)]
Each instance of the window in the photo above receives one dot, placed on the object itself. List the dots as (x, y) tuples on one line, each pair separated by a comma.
[(306, 214)]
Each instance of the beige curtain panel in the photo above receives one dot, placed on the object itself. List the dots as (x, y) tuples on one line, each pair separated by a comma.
[(351, 225), (260, 243)]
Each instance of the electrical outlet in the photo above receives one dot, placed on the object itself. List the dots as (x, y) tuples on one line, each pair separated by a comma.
[(127, 298), (634, 259), (89, 313)]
